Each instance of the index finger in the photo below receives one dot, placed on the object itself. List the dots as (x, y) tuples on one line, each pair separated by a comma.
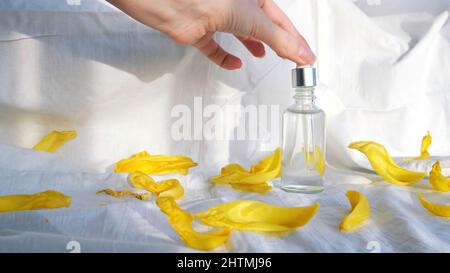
[(281, 19)]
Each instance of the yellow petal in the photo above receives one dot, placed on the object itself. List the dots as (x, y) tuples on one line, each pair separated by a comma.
[(437, 180), (232, 168), (436, 209), (320, 161), (42, 200), (231, 173), (316, 159), (121, 194), (244, 215), (169, 188), (426, 142), (155, 164), (270, 164), (260, 173), (258, 188), (54, 140), (384, 165), (166, 188), (141, 181), (360, 211), (257, 216), (181, 222)]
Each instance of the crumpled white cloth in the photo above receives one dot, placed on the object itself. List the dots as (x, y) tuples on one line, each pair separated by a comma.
[(92, 69), (425, 165), (383, 77)]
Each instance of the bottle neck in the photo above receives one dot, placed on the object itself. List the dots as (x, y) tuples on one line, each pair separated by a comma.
[(304, 96)]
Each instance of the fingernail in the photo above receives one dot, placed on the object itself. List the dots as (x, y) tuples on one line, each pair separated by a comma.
[(306, 54)]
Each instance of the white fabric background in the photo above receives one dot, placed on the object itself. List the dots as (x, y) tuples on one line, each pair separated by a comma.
[(383, 76)]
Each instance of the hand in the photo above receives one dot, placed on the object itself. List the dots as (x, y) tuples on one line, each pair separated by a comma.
[(194, 22)]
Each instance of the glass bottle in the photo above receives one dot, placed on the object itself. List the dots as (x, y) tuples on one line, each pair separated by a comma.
[(303, 147)]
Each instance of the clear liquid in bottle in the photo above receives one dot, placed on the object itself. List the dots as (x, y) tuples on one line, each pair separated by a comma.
[(303, 161)]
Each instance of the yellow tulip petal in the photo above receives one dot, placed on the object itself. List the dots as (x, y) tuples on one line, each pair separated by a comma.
[(155, 164), (424, 154), (258, 188), (121, 194), (426, 143), (243, 215), (257, 216), (259, 174), (233, 168), (231, 173), (271, 163), (181, 222), (240, 215), (436, 209), (233, 177), (437, 180), (266, 163), (320, 161), (384, 165), (360, 211), (141, 181), (170, 188), (316, 160), (54, 140), (166, 188), (42, 200)]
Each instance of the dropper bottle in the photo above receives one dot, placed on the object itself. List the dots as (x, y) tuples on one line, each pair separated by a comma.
[(303, 147)]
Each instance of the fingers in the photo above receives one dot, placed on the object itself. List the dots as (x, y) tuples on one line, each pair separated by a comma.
[(282, 20), (285, 44), (279, 17), (215, 53), (266, 22), (254, 46)]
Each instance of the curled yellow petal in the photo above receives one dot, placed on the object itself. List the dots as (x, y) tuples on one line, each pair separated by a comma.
[(437, 180), (257, 216), (42, 200), (166, 188), (258, 188), (241, 215), (258, 176), (316, 160), (384, 165), (141, 181), (360, 211), (270, 166), (436, 209), (424, 154), (121, 194), (54, 140), (426, 143), (155, 164), (181, 222), (320, 161)]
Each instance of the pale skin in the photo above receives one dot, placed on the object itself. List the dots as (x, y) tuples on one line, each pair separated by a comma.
[(194, 22)]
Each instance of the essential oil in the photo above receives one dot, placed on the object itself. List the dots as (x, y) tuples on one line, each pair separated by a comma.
[(303, 161)]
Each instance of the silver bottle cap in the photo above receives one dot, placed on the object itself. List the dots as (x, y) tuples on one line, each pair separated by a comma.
[(304, 76)]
